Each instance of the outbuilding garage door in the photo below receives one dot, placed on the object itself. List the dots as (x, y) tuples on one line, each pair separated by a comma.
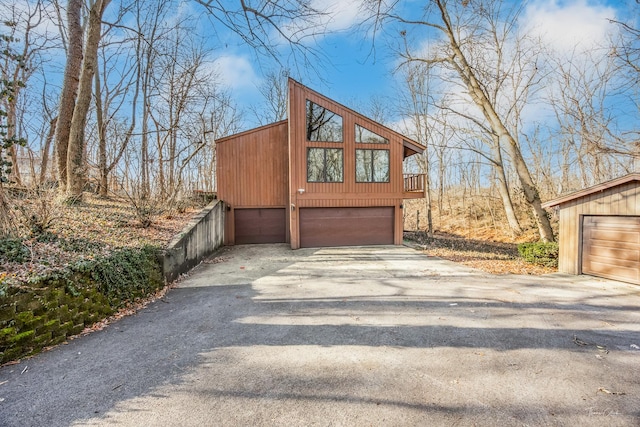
[(611, 247), (260, 225), (346, 226)]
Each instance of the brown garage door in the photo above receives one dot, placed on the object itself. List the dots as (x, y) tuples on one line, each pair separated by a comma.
[(346, 226), (611, 247), (260, 225)]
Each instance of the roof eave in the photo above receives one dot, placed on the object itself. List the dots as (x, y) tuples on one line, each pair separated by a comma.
[(591, 190)]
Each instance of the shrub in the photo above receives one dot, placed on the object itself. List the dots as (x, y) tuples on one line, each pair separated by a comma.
[(13, 250), (541, 253)]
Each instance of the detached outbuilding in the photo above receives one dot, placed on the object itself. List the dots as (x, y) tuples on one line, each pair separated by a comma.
[(600, 230)]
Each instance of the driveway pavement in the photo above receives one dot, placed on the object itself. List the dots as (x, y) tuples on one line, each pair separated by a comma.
[(385, 336)]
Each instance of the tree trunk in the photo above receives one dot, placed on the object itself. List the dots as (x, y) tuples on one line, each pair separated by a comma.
[(44, 164), (480, 98), (69, 88), (76, 170), (503, 188), (102, 138)]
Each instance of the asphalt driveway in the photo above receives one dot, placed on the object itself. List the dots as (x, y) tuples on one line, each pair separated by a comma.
[(262, 335)]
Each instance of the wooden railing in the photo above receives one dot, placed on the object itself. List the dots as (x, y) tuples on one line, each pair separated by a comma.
[(414, 182)]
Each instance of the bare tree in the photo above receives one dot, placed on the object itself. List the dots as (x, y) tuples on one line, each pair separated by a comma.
[(76, 169), (70, 82), (468, 31), (274, 90)]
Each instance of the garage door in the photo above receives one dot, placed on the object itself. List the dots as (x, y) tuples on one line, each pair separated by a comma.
[(260, 226), (611, 247), (346, 226)]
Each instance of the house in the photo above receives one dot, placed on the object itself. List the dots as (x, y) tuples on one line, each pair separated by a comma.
[(326, 176), (600, 230)]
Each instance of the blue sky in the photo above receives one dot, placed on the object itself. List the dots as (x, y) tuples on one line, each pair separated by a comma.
[(353, 75)]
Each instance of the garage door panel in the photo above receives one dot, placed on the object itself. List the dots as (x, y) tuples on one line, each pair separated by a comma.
[(611, 247), (615, 253), (267, 225), (346, 226), (616, 235)]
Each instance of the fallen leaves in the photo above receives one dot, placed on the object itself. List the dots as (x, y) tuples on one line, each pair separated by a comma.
[(490, 257)]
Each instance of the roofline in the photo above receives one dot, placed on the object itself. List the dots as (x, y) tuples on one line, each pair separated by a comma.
[(596, 188), (421, 147), (235, 135)]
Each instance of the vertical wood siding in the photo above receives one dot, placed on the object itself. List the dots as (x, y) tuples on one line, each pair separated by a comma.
[(348, 193), (252, 167), (619, 200), (252, 171)]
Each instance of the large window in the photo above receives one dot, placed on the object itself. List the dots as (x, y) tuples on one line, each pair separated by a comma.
[(365, 136), (323, 124), (372, 165), (324, 165)]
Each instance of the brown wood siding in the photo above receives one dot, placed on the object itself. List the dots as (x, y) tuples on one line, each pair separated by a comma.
[(619, 200), (252, 167), (611, 247), (348, 193), (260, 226), (346, 226)]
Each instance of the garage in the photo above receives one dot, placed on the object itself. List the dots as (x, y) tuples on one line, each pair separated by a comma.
[(599, 230), (320, 227), (611, 247), (263, 225)]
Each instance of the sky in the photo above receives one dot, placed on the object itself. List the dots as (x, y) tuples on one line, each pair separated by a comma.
[(352, 73)]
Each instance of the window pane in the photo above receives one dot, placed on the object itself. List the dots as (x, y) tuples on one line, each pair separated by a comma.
[(363, 166), (365, 136), (381, 165), (323, 124), (334, 164), (315, 165)]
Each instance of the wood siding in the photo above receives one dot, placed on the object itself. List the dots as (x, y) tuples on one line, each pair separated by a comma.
[(252, 171), (252, 167), (348, 193), (618, 200)]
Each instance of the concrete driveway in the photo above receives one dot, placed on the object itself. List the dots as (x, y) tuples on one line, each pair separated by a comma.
[(262, 335)]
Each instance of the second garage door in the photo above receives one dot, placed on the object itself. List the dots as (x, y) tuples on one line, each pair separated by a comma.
[(260, 226), (611, 247), (346, 226)]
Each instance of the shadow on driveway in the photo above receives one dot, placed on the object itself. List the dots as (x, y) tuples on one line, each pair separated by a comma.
[(262, 335)]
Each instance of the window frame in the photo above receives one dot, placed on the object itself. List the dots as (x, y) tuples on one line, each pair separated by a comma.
[(385, 141), (324, 164), (334, 115), (372, 165)]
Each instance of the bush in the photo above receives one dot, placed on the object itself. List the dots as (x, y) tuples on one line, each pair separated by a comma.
[(13, 250), (541, 253)]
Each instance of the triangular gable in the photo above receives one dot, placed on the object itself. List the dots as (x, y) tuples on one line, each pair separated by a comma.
[(411, 147)]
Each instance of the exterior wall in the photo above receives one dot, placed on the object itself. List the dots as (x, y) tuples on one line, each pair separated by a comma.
[(252, 171), (202, 236), (349, 193), (623, 199)]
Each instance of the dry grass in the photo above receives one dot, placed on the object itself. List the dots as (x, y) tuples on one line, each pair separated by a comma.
[(491, 257), (91, 229)]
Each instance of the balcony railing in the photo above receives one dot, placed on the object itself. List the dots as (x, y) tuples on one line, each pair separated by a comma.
[(414, 182)]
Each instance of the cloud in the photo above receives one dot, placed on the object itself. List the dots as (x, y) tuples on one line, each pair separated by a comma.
[(339, 15), (236, 72), (569, 25)]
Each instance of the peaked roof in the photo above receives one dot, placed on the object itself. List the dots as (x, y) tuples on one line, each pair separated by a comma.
[(591, 190), (411, 147)]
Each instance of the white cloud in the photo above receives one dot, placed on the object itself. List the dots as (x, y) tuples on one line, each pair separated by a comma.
[(236, 72), (569, 25), (340, 15)]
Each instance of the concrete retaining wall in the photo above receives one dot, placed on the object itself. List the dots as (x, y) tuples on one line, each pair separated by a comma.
[(199, 239)]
